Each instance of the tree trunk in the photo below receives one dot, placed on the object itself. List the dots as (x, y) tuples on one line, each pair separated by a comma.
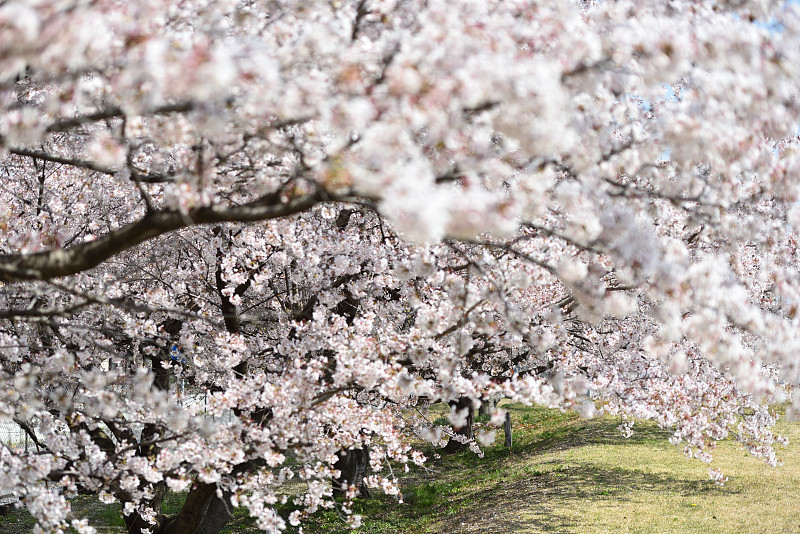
[(488, 407), (203, 513), (352, 464), (134, 522), (507, 429), (466, 430)]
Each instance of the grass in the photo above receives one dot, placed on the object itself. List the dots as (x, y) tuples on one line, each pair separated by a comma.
[(563, 475), (568, 475)]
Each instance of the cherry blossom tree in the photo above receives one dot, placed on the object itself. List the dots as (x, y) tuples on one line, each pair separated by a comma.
[(248, 241)]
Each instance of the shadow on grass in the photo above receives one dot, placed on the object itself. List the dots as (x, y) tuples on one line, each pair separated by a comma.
[(523, 505), (514, 494), (594, 432), (566, 432)]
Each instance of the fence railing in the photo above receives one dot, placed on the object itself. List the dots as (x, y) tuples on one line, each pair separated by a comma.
[(13, 437)]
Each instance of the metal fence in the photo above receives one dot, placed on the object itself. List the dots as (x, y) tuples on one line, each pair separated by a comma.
[(13, 437)]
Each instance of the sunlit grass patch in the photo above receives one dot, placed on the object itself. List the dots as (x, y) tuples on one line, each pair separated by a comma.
[(585, 477)]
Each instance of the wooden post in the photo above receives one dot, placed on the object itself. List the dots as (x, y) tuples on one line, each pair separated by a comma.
[(507, 429)]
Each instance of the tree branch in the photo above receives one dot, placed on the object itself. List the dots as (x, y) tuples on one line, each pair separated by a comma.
[(136, 174), (65, 262), (63, 125), (74, 162)]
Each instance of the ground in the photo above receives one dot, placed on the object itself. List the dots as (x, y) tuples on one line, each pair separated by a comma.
[(564, 475)]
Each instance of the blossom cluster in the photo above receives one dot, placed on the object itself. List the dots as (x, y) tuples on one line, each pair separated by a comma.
[(241, 238)]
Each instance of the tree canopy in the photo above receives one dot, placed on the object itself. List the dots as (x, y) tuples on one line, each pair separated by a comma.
[(238, 238)]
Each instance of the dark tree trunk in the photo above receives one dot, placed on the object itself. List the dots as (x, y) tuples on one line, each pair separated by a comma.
[(466, 430), (203, 513), (507, 429), (488, 407), (134, 522), (352, 464)]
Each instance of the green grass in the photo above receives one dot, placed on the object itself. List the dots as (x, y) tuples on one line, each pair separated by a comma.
[(569, 475), (563, 475)]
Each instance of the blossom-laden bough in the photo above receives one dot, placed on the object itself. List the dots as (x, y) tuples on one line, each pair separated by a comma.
[(239, 239)]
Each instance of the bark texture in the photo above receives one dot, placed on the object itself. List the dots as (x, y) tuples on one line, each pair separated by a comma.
[(203, 513), (455, 445), (352, 465)]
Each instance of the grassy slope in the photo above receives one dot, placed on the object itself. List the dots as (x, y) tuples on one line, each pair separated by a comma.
[(569, 475), (595, 481), (564, 475)]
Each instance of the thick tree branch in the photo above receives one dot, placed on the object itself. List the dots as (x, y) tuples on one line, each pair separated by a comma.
[(20, 313), (63, 125), (135, 174), (74, 162), (64, 262)]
